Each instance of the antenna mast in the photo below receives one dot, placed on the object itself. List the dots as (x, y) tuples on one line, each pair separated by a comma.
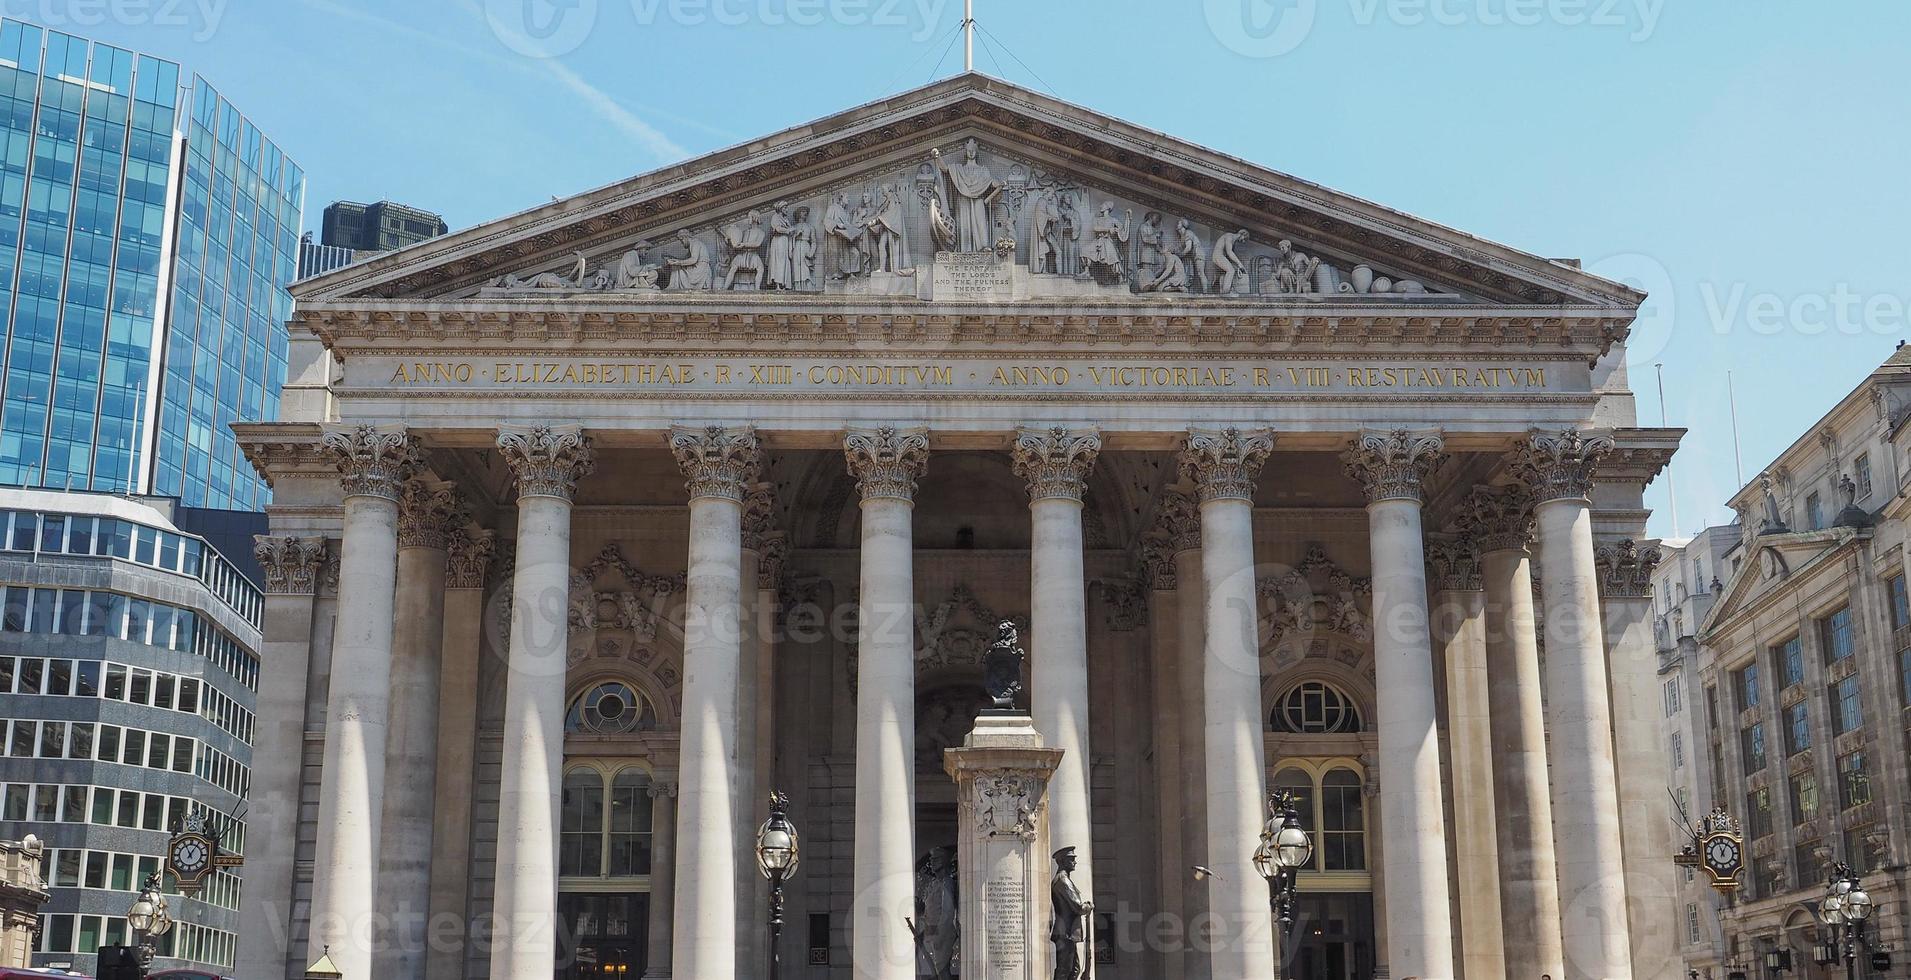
[(1671, 488), (968, 35)]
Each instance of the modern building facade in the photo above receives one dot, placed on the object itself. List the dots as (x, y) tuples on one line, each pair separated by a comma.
[(1802, 678), (718, 481), (378, 227), (128, 666), (147, 232)]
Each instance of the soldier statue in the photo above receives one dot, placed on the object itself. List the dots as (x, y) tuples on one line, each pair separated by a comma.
[(1069, 927)]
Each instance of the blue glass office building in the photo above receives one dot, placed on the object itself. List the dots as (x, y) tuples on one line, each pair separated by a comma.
[(147, 232)]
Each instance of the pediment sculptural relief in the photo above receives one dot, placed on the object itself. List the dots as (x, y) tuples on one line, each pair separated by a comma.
[(969, 221)]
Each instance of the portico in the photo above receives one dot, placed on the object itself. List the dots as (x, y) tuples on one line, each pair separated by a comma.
[(754, 539)]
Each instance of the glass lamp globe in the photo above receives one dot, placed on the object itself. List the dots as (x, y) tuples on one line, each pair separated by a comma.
[(140, 916), (1841, 887), (1293, 848), (776, 847), (1857, 907), (1832, 911)]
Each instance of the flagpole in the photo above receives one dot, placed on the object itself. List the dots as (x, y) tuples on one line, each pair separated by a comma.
[(968, 35), (1671, 487)]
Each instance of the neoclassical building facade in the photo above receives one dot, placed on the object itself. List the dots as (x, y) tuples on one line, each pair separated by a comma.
[(595, 525)]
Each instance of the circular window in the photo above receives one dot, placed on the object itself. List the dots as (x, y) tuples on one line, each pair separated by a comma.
[(610, 708), (1315, 708)]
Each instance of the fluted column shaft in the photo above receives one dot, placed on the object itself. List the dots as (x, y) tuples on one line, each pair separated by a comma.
[(372, 462), (1056, 463), (1529, 883), (886, 462), (548, 462), (1224, 465), (470, 553), (718, 464), (1593, 926), (1191, 648), (663, 875), (1420, 930)]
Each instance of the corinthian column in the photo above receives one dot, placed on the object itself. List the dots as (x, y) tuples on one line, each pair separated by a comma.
[(663, 873), (427, 511), (1055, 462), (1459, 619), (1223, 464), (291, 566), (1391, 466), (886, 463), (372, 462), (1592, 887), (718, 465), (548, 462), (469, 560), (1501, 521)]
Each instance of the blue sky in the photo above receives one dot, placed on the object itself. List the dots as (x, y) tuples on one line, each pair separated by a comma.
[(1744, 160)]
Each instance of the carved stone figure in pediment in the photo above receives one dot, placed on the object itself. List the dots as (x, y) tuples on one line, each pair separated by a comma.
[(1294, 274), (845, 236), (691, 271), (782, 261), (1148, 247), (577, 279), (1108, 236), (633, 272), (745, 238), (887, 234), (975, 190), (1182, 254), (1230, 273), (1068, 235), (803, 250)]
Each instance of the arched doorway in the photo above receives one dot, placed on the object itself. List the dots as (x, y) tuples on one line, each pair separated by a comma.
[(606, 856), (1321, 730)]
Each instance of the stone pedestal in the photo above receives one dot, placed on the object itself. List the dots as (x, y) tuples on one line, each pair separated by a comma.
[(1002, 774)]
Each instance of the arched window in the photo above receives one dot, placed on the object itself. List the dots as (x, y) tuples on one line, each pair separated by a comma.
[(1314, 708), (610, 708), (605, 827), (1333, 809)]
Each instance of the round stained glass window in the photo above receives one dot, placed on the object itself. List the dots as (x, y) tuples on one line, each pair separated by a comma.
[(610, 708), (1315, 708)]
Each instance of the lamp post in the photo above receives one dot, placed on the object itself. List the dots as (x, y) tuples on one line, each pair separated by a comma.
[(1845, 909), (776, 857), (1285, 849), (149, 919)]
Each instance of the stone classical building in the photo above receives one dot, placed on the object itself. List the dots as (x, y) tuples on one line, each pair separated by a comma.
[(1802, 670), (716, 481), (21, 895)]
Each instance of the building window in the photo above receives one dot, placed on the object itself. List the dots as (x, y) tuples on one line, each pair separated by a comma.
[(1314, 708), (1712, 708), (1862, 467), (1692, 934), (1678, 750), (606, 829), (1672, 697), (1758, 813), (611, 708), (1900, 602), (1797, 729), (1814, 512), (1865, 848), (1805, 860), (1788, 658), (1854, 780), (1745, 681), (1847, 714), (1834, 634), (1752, 747), (1335, 810), (1804, 797), (1904, 670)]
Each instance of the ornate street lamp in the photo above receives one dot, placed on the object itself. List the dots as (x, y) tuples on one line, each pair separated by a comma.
[(1285, 849), (776, 857), (149, 919), (1846, 907)]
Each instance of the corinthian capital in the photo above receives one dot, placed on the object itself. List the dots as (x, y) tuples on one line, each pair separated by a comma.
[(1559, 465), (291, 564), (1055, 461), (1625, 569), (1498, 518), (1392, 464), (427, 511), (1224, 463), (471, 552), (1455, 564), (716, 462), (372, 460), (548, 460), (886, 461)]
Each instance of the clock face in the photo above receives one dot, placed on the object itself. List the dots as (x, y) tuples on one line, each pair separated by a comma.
[(190, 856)]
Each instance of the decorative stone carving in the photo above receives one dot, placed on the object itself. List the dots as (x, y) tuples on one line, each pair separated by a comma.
[(547, 460), (1294, 272), (716, 461), (1055, 461), (1625, 569), (1224, 463), (471, 551), (887, 235), (1181, 256), (329, 572), (745, 238), (372, 460), (846, 237), (1498, 518), (972, 193), (427, 511), (291, 563), (1127, 604), (770, 559), (634, 608), (1007, 801), (1392, 465), (577, 279), (693, 270), (886, 461), (1230, 273), (1455, 563), (1179, 515), (1148, 248), (1107, 243), (1054, 232), (1560, 465), (633, 273), (1314, 596)]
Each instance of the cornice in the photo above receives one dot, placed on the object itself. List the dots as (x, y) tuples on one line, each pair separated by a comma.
[(283, 449)]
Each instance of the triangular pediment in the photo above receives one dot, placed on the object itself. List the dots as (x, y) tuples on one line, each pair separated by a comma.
[(1083, 205), (1775, 560)]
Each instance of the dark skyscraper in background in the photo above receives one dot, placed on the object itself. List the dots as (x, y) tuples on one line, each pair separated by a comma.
[(377, 227), (147, 232)]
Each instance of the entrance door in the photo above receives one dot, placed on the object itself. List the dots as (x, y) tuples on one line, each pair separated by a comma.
[(602, 934), (1334, 937)]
